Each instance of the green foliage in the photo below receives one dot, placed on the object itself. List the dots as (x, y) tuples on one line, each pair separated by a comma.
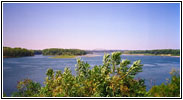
[(115, 78), (57, 51), (27, 88), (171, 89), (115, 59), (16, 52), (172, 52)]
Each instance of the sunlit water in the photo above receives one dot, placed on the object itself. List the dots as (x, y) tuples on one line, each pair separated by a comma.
[(155, 70)]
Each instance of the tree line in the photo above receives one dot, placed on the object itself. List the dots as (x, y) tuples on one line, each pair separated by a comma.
[(17, 52), (58, 51), (174, 52), (21, 52), (115, 78)]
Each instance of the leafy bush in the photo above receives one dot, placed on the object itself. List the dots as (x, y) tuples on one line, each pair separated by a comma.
[(27, 88)]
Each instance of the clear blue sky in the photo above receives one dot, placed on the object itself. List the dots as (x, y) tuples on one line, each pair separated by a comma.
[(131, 26)]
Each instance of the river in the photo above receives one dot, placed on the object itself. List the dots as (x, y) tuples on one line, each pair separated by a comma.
[(155, 68)]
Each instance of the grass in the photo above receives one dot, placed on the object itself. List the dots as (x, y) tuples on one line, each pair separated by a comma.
[(64, 56)]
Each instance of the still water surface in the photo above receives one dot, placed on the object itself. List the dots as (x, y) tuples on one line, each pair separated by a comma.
[(155, 70)]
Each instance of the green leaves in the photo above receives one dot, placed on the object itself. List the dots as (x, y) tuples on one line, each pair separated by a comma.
[(82, 68), (106, 59), (124, 63), (135, 68), (123, 67), (49, 73), (115, 60), (115, 57), (27, 88)]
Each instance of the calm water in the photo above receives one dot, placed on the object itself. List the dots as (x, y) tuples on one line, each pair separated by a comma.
[(155, 70)]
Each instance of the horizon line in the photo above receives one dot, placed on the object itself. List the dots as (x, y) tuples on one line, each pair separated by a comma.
[(96, 49)]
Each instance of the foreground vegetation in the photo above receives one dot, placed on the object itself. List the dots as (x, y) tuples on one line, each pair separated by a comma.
[(16, 52), (115, 78), (161, 52)]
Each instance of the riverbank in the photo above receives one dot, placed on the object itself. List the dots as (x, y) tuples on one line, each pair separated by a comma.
[(153, 55)]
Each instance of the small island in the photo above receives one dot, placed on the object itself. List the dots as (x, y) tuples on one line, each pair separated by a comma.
[(63, 53)]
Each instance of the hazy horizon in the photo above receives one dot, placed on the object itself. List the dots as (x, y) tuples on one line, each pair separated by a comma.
[(90, 26), (97, 49)]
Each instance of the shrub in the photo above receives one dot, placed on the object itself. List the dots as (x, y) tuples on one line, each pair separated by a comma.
[(113, 78), (27, 88)]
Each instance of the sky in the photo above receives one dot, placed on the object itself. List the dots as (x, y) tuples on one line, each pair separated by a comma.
[(91, 26)]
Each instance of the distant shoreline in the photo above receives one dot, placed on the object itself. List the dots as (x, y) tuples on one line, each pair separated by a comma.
[(152, 55), (89, 55), (75, 56), (95, 55)]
